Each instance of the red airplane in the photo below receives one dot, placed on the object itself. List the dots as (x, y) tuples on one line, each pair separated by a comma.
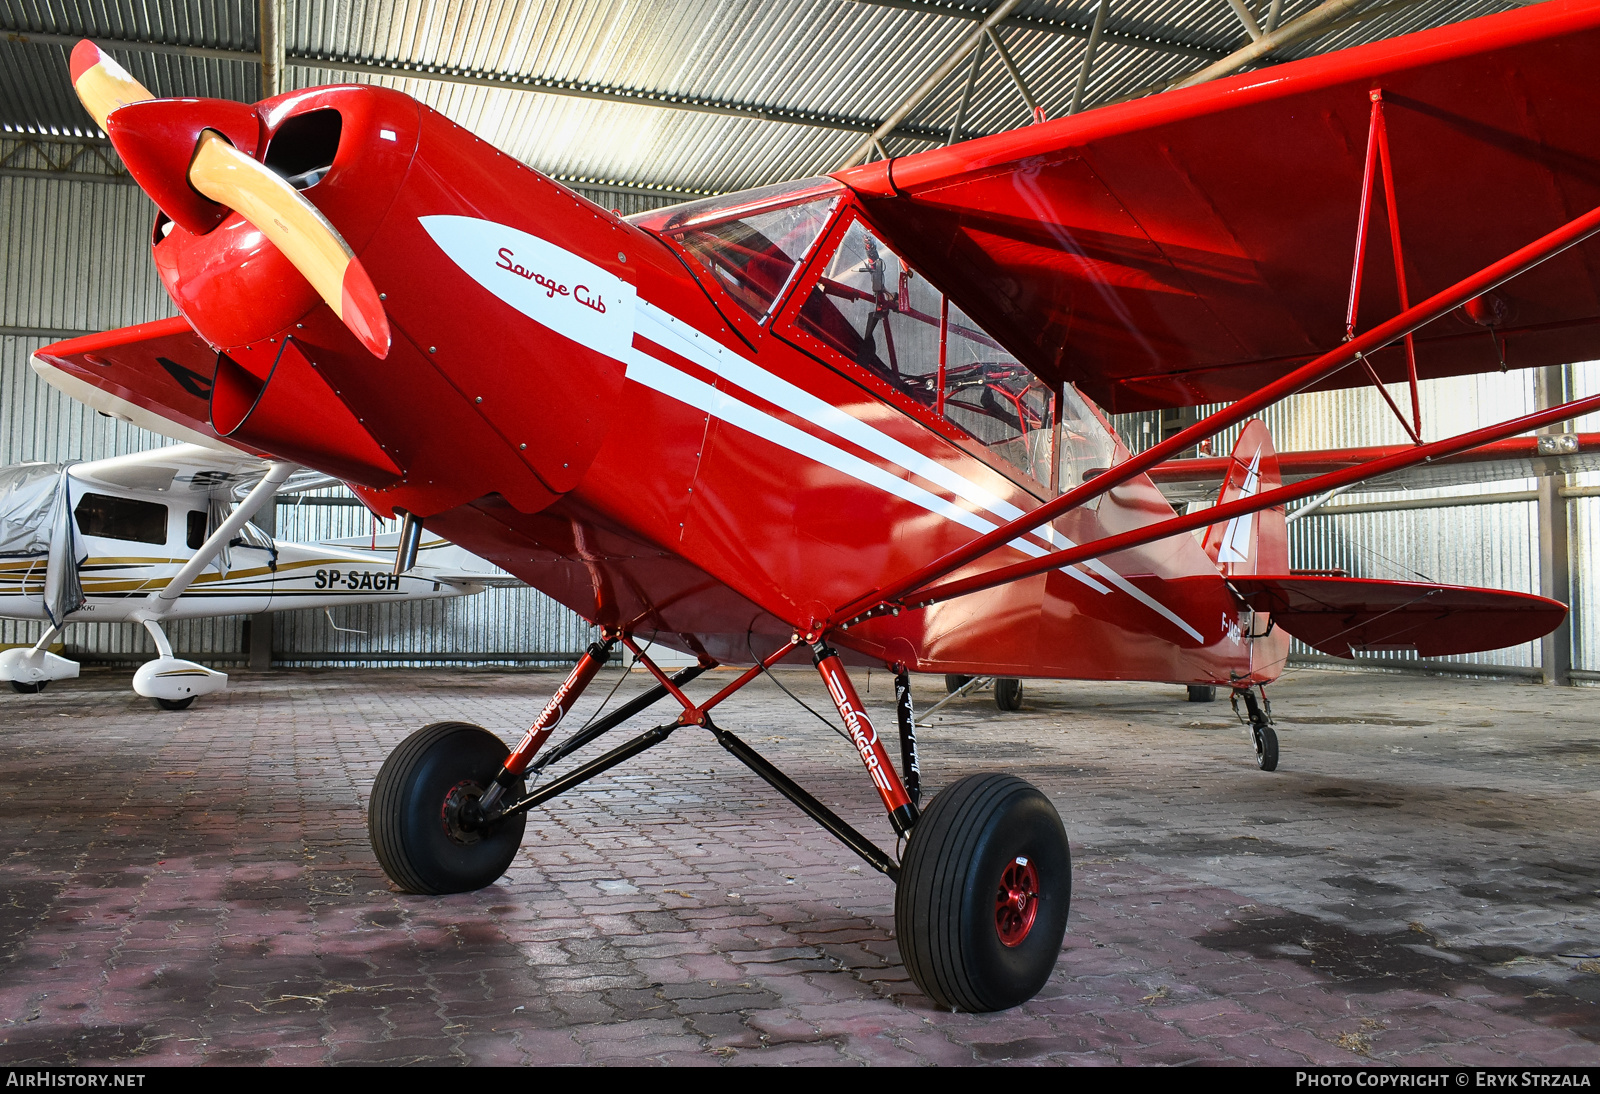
[(862, 417)]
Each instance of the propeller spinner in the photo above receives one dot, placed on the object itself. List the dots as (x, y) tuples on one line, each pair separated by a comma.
[(229, 177)]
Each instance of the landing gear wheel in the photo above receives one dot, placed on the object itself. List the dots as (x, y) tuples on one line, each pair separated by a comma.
[(1008, 693), (983, 895), (1202, 693), (1266, 741), (954, 683), (1259, 718), (175, 704), (27, 688), (415, 819)]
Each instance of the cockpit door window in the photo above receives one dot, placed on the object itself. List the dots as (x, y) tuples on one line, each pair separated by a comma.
[(871, 308)]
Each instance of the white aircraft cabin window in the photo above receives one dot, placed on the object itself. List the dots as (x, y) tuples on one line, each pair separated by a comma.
[(752, 254), (874, 309), (122, 518), (1086, 445), (196, 529), (994, 397)]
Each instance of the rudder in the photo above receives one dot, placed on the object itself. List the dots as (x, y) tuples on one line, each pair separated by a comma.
[(1255, 543)]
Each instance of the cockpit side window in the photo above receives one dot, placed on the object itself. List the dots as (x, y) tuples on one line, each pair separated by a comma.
[(874, 309), (869, 306), (122, 518)]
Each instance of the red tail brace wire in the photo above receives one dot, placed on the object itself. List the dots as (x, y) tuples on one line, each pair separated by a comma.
[(902, 812)]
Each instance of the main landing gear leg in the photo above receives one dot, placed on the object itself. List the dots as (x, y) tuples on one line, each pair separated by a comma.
[(430, 818), (1259, 719), (983, 889)]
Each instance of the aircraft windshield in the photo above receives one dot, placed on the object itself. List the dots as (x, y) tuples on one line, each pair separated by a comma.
[(874, 309), (751, 242)]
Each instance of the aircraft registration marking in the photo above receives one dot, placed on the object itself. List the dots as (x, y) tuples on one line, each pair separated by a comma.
[(362, 580)]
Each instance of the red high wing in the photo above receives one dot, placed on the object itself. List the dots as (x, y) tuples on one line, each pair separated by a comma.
[(1189, 247)]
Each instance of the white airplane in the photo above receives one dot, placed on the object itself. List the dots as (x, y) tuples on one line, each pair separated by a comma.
[(165, 535)]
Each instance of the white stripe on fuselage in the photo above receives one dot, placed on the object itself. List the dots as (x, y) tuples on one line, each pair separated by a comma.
[(470, 243), (679, 337)]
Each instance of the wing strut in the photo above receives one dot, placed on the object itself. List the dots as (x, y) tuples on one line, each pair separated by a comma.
[(1271, 499), (1378, 153), (162, 600), (894, 596)]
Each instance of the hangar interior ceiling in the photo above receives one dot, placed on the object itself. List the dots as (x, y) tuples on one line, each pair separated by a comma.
[(640, 103)]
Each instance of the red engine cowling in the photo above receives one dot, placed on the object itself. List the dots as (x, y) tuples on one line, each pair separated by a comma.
[(293, 412), (347, 149)]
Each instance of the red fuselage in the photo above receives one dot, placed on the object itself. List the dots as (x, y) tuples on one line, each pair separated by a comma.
[(583, 401)]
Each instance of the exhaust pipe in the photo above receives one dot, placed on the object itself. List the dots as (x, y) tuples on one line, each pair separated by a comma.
[(405, 552)]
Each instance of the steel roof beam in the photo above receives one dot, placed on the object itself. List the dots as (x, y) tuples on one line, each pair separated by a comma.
[(929, 83), (1319, 20), (1062, 27), (539, 84), (69, 152), (1087, 64), (273, 57)]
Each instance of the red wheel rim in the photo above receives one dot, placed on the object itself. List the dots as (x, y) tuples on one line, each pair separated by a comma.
[(1016, 903)]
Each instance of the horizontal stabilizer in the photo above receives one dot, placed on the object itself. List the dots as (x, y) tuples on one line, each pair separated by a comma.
[(1344, 616)]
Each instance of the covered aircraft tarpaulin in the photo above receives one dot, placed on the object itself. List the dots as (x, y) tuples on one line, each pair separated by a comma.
[(27, 496), (36, 521)]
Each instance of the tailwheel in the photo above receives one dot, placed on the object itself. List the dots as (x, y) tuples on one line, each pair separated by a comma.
[(1262, 735), (983, 894), (422, 818), (27, 688), (1266, 741), (1008, 693)]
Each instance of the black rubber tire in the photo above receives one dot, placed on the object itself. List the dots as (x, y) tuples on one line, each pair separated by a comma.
[(1008, 693), (405, 818), (1266, 742), (1202, 693), (954, 683), (175, 704), (26, 688), (944, 906)]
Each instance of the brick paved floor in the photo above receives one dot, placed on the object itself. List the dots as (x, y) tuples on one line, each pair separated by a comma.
[(1417, 884)]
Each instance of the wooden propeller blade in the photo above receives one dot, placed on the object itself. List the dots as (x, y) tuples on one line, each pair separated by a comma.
[(229, 177), (102, 84), (297, 228)]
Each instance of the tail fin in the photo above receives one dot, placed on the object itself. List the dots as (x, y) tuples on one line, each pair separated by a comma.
[(1256, 543)]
